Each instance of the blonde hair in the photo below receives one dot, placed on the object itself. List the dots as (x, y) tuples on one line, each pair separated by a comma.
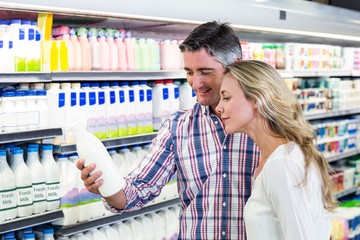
[(276, 103)]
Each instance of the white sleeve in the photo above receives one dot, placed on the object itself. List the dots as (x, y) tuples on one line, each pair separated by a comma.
[(289, 200)]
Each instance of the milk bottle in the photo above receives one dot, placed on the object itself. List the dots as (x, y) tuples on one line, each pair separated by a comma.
[(176, 54), (8, 200), (131, 110), (185, 96), (121, 50), (79, 236), (109, 232), (161, 103), (114, 62), (68, 191), (123, 229), (167, 61), (38, 177), (42, 108), (93, 151), (104, 50), (84, 197), (48, 233), (137, 53), (29, 236), (119, 162), (24, 189), (147, 108), (52, 178), (172, 227), (130, 158), (139, 152), (137, 229), (21, 111), (139, 95), (95, 49), (9, 122), (147, 226), (86, 61), (56, 103), (17, 33), (160, 226), (68, 111), (173, 96), (77, 50), (100, 111), (121, 109), (130, 53), (111, 110), (95, 234), (76, 111), (31, 113), (90, 106)]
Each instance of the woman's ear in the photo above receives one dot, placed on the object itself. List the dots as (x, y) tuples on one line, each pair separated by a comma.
[(255, 104)]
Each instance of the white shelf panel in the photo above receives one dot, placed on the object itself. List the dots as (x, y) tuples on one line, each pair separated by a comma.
[(355, 73), (346, 192), (24, 77), (333, 73), (343, 155), (29, 135), (330, 114)]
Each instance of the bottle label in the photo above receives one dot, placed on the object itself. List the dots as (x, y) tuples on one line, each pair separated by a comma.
[(69, 197), (101, 96), (141, 96), (148, 95), (112, 127), (91, 125), (92, 98), (39, 190), (7, 199), (131, 96), (24, 196), (176, 93), (21, 33), (61, 100), (73, 99), (165, 93), (112, 97), (31, 34), (53, 191), (82, 98), (121, 96)]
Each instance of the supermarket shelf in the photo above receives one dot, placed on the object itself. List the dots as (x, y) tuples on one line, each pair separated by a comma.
[(343, 155), (24, 77), (346, 192), (110, 219), (33, 220), (318, 73), (119, 75), (30, 135), (110, 143), (333, 73), (355, 73), (330, 114)]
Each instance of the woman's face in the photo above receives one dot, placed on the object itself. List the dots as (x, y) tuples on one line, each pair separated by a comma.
[(236, 111)]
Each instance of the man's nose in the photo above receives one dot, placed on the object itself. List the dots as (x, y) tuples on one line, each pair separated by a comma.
[(196, 81)]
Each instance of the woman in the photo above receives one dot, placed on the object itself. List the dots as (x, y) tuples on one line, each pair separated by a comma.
[(292, 192)]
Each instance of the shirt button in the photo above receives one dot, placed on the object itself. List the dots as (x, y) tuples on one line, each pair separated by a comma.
[(225, 147), (224, 175), (216, 122), (223, 233), (224, 204)]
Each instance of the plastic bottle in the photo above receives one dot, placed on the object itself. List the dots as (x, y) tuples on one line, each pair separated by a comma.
[(90, 106), (24, 189), (9, 121), (144, 52), (130, 158), (113, 51), (63, 33), (56, 104), (139, 152), (8, 208), (95, 49), (173, 96), (154, 54), (80, 236), (137, 53), (130, 53), (17, 33), (38, 177), (130, 108), (110, 110), (139, 96), (31, 109), (121, 110), (185, 95), (48, 234), (147, 108), (119, 161), (68, 110), (121, 50), (68, 191), (100, 111), (29, 41), (86, 62), (147, 226), (104, 50), (29, 236), (52, 178), (159, 226), (109, 232), (54, 56), (166, 55), (37, 49), (136, 229), (77, 51), (42, 108), (93, 151), (161, 103), (21, 111), (95, 234), (123, 230), (77, 111)]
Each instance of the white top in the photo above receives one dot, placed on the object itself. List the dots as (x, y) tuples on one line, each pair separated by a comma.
[(279, 209)]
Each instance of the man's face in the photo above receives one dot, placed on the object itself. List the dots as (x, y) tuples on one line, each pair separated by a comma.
[(204, 74)]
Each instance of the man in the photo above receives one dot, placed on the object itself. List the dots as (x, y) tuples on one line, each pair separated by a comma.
[(213, 169)]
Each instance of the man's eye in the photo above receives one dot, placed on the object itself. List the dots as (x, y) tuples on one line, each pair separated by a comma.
[(205, 73)]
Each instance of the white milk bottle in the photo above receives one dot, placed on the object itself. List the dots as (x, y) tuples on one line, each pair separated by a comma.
[(172, 227), (185, 96), (85, 197), (139, 152), (24, 190), (79, 236), (68, 191), (48, 233), (38, 180), (119, 162), (148, 226), (42, 109), (68, 112), (29, 236), (147, 107), (111, 110), (90, 106), (21, 111), (159, 226), (77, 111), (130, 158), (121, 109), (95, 49), (93, 151), (173, 96), (139, 95), (129, 95), (136, 229), (123, 230), (31, 109), (56, 104), (109, 232), (161, 103), (8, 200), (52, 177), (9, 122), (101, 129)]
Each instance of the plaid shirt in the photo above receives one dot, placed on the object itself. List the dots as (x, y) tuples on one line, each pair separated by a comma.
[(214, 174)]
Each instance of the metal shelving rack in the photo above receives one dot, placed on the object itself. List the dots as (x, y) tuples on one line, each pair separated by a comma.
[(29, 135)]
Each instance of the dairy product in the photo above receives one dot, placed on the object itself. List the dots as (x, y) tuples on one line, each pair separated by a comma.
[(109, 232), (121, 50), (173, 96), (161, 103), (130, 107), (42, 114), (123, 230), (113, 51), (95, 49), (130, 158), (147, 108), (100, 111), (186, 96), (139, 99), (121, 109), (86, 62), (111, 110), (104, 50)]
